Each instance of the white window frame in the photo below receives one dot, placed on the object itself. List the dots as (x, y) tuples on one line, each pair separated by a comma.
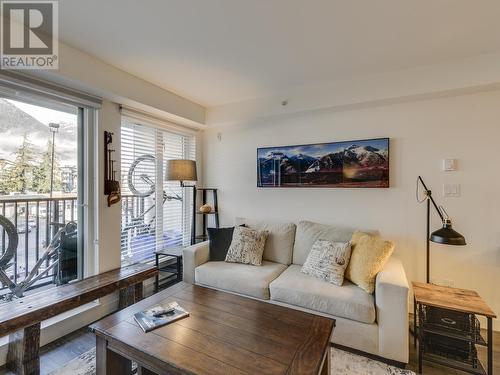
[(29, 89)]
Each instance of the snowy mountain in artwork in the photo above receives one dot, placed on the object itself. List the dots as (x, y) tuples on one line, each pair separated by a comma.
[(360, 164)]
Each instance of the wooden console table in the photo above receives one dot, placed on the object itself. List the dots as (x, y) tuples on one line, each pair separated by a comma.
[(452, 301), (21, 317)]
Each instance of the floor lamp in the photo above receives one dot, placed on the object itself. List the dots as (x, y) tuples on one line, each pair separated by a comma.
[(183, 170), (446, 235)]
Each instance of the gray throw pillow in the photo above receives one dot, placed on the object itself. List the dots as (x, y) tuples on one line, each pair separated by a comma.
[(247, 246), (328, 261)]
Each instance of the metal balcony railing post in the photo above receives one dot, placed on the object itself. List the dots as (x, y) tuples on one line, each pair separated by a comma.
[(26, 239), (31, 230), (3, 231), (37, 239)]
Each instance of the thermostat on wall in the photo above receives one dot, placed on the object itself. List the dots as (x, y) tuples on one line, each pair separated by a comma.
[(449, 165)]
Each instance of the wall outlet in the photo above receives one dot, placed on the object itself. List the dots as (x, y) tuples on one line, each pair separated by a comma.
[(451, 190)]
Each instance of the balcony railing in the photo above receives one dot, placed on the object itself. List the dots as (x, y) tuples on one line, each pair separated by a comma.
[(139, 239), (34, 219)]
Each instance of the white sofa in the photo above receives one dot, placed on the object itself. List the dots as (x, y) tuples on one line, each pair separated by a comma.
[(375, 324)]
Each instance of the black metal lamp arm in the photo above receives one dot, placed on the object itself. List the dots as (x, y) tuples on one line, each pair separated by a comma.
[(445, 235), (428, 193)]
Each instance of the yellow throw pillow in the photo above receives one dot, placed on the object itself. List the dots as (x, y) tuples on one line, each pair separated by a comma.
[(368, 257)]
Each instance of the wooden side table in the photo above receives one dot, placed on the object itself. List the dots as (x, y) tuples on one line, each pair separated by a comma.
[(448, 315)]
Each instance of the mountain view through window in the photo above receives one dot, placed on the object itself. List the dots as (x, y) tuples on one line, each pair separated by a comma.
[(38, 187)]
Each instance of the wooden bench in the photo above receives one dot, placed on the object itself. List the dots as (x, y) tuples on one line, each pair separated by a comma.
[(21, 318)]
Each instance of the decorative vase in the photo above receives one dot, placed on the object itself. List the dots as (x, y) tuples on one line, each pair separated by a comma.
[(206, 208)]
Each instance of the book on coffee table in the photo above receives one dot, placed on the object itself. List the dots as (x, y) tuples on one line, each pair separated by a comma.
[(160, 315)]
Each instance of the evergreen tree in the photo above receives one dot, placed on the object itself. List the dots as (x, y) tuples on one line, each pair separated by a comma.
[(3, 173), (18, 176), (42, 172)]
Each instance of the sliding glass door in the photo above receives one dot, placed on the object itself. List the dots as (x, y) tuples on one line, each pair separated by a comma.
[(156, 214), (41, 195)]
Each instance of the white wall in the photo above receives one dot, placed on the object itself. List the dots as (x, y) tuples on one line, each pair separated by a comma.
[(89, 74), (473, 74), (108, 219), (82, 71), (422, 133)]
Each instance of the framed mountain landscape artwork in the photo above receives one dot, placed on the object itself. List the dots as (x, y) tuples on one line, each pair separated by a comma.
[(346, 164)]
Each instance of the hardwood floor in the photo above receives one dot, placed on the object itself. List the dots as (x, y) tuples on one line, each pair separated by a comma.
[(60, 352), (73, 345)]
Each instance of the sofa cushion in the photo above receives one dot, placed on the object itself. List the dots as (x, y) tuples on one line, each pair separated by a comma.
[(220, 240), (369, 256), (327, 261), (247, 246), (308, 233), (279, 243), (347, 301), (239, 278)]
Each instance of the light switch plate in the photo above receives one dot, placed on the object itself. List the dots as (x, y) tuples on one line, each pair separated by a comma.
[(451, 190)]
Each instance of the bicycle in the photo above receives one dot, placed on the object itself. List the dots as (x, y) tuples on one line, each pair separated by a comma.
[(51, 256), (139, 221), (140, 228)]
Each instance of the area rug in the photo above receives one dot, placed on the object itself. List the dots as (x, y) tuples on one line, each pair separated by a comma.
[(82, 365), (343, 363)]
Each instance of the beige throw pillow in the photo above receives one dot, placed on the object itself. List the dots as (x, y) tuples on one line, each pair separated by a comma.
[(328, 260), (247, 246), (369, 254)]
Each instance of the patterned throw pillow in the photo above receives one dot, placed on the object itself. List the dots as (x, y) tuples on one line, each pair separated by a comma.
[(247, 246), (328, 260)]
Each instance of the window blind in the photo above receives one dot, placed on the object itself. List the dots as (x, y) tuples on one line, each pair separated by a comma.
[(147, 226), (178, 217)]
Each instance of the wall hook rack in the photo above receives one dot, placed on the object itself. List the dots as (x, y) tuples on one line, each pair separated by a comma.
[(111, 186)]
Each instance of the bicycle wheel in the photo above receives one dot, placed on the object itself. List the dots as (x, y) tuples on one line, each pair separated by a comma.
[(139, 175), (13, 237)]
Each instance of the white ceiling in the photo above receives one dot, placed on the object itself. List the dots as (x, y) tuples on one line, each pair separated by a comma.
[(222, 51)]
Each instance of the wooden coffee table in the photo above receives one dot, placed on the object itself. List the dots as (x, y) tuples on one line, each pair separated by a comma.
[(224, 334)]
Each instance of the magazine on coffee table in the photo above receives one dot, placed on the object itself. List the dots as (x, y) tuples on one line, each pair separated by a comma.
[(159, 315)]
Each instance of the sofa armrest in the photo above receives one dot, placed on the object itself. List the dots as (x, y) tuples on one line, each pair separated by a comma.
[(391, 300), (192, 257)]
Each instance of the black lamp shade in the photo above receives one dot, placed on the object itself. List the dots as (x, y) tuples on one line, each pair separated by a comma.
[(448, 236)]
